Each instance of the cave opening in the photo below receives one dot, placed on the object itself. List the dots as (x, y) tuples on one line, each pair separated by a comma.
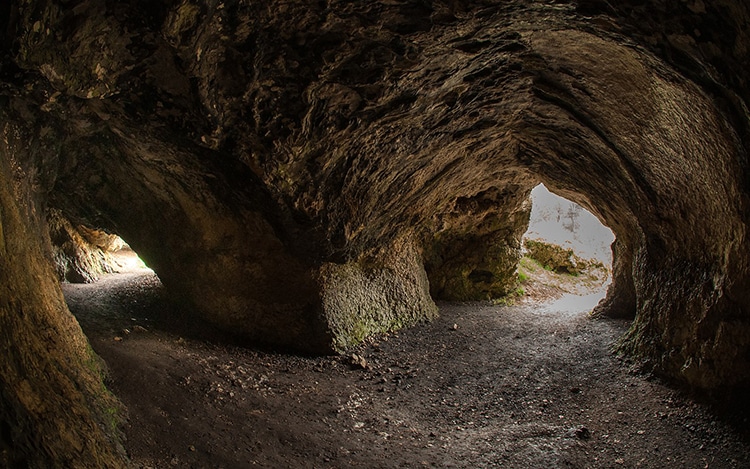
[(129, 260), (566, 249), (108, 287), (83, 254), (115, 291)]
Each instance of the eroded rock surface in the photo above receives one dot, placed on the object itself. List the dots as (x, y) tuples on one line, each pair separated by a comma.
[(290, 170), (81, 255), (54, 408)]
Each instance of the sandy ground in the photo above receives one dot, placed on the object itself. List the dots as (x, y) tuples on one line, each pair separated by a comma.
[(530, 385)]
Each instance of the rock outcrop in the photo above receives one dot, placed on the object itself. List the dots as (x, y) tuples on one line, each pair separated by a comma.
[(54, 408), (297, 172), (81, 255)]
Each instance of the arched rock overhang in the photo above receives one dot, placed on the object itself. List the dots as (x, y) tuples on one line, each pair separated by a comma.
[(300, 160), (322, 150)]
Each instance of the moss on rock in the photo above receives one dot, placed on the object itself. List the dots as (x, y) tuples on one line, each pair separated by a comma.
[(381, 294), (556, 258)]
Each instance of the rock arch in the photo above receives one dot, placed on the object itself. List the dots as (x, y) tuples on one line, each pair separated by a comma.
[(307, 161)]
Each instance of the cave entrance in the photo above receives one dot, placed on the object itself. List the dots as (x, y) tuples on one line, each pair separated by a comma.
[(83, 254), (567, 255), (127, 260), (106, 284)]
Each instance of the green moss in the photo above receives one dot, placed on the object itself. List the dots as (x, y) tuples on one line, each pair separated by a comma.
[(113, 418), (111, 411), (375, 296), (554, 258), (359, 331), (522, 277), (363, 326)]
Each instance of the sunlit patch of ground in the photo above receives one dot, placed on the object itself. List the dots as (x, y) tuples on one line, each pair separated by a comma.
[(564, 292)]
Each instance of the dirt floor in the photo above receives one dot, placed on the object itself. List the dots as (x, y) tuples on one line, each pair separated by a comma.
[(520, 386)]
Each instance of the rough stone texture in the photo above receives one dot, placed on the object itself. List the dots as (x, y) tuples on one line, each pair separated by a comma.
[(263, 157), (80, 255), (472, 252), (376, 294), (675, 184), (557, 258), (214, 247), (54, 408)]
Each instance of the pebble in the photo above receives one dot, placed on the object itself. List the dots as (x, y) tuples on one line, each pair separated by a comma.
[(358, 361), (582, 433)]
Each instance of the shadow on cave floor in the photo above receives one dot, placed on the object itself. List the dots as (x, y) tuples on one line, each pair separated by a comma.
[(482, 386), (119, 304), (135, 301)]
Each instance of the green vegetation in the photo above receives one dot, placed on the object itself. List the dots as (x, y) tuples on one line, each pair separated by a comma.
[(522, 277), (510, 298), (111, 409), (555, 258), (590, 276)]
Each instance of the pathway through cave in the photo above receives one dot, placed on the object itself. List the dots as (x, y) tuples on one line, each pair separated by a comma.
[(481, 386)]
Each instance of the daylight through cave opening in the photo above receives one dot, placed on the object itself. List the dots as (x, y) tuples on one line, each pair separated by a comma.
[(82, 254), (566, 248)]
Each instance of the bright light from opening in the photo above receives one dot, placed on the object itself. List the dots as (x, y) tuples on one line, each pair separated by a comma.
[(559, 221), (126, 258), (130, 261)]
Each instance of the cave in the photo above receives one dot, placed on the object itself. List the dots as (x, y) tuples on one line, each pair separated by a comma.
[(308, 175)]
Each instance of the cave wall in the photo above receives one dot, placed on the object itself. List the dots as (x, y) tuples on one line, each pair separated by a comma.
[(54, 408), (381, 292), (676, 158), (215, 249), (80, 254), (322, 166), (472, 250)]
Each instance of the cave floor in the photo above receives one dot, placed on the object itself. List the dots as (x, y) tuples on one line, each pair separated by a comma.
[(519, 386)]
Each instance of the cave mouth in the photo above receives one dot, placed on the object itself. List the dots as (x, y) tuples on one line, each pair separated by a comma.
[(567, 254), (83, 254), (128, 261), (114, 293)]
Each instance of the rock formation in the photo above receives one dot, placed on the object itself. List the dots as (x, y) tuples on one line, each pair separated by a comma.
[(298, 171), (81, 254)]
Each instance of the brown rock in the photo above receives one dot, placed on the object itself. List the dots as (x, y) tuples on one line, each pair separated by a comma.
[(306, 176)]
